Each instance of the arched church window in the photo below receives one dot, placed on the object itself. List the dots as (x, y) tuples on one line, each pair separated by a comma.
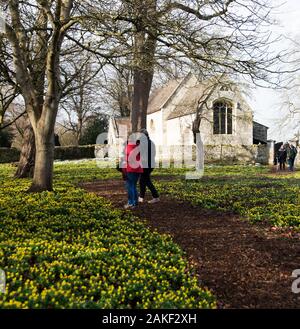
[(222, 118)]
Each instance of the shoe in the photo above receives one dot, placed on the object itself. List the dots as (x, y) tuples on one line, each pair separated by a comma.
[(155, 200), (129, 206), (141, 200)]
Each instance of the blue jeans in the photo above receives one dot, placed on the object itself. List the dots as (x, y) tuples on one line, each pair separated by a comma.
[(131, 182)]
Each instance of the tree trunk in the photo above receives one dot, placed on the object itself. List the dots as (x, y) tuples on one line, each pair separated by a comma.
[(43, 170), (142, 87), (27, 157), (144, 57)]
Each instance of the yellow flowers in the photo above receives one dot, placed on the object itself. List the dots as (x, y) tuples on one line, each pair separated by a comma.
[(248, 191), (70, 249)]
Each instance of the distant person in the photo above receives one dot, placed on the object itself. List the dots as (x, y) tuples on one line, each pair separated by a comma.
[(282, 156), (148, 163), (291, 156), (131, 169), (56, 140)]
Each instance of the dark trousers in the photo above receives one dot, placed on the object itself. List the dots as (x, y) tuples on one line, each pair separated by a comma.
[(282, 165), (145, 181)]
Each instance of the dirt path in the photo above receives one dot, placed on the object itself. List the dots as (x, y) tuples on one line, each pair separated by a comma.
[(245, 266)]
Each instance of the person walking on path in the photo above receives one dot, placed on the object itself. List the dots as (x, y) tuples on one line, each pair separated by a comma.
[(148, 163), (282, 156), (131, 170), (291, 156)]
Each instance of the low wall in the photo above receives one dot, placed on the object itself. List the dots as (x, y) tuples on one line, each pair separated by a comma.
[(237, 154), (224, 154), (8, 155)]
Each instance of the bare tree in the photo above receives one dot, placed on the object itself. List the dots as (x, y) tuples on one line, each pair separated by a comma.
[(36, 31), (117, 90), (212, 37), (9, 90), (81, 95), (287, 122)]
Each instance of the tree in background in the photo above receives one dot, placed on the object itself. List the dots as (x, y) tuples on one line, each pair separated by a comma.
[(37, 35), (95, 126), (288, 124), (81, 97), (9, 90), (35, 31), (117, 91), (210, 37)]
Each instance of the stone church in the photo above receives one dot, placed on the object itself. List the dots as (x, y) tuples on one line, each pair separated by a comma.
[(227, 118)]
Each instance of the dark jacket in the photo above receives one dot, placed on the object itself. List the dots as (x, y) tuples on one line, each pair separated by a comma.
[(291, 152), (148, 157), (282, 155)]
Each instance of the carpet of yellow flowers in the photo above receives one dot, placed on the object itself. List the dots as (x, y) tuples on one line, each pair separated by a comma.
[(254, 193), (71, 249)]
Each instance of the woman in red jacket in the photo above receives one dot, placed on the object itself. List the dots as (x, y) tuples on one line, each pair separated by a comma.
[(132, 171)]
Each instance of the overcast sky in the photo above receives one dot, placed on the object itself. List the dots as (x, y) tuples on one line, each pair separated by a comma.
[(266, 102)]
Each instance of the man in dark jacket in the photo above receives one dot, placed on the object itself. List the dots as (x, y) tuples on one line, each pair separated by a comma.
[(291, 156), (148, 163), (281, 156)]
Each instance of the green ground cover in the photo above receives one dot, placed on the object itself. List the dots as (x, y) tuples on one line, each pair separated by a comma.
[(251, 192), (71, 249)]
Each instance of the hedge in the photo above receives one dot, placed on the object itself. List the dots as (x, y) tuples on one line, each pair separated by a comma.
[(8, 155), (74, 152)]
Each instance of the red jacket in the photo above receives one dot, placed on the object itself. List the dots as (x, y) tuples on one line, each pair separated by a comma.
[(133, 159)]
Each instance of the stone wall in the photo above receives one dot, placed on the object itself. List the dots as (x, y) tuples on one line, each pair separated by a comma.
[(225, 154), (237, 154)]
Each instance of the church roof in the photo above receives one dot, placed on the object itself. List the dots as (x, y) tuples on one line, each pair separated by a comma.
[(160, 96), (188, 103)]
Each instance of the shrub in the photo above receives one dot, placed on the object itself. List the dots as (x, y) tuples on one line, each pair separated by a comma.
[(6, 138), (9, 155), (95, 127), (74, 152)]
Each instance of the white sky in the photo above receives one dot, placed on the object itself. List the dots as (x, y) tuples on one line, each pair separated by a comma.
[(266, 102)]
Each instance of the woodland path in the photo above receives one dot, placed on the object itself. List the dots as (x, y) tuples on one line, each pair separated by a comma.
[(244, 265)]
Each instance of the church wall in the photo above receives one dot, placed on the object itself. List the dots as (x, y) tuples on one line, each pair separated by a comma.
[(174, 129), (154, 127), (179, 127), (179, 131)]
